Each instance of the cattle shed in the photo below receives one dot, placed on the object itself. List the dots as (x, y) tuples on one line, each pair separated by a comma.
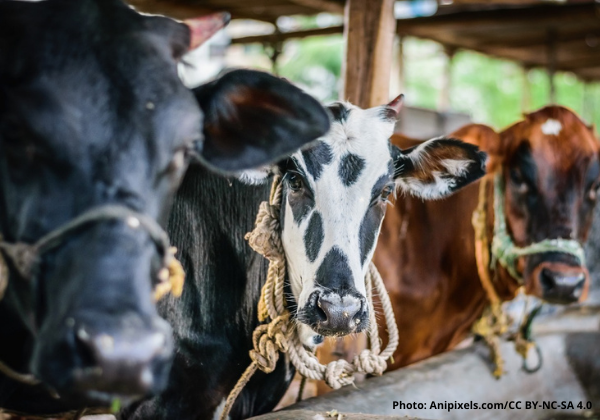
[(556, 35)]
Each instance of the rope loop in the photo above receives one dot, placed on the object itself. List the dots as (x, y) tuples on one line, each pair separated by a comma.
[(280, 334), (339, 373), (369, 363)]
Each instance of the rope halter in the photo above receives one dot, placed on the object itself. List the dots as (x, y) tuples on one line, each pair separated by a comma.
[(280, 334), (26, 257), (504, 250), (494, 321)]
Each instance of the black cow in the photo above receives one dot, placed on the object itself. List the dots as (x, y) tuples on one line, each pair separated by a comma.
[(95, 123), (334, 196)]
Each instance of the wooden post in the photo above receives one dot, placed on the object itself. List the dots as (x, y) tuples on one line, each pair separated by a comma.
[(444, 100), (526, 91), (552, 63), (401, 70), (369, 33)]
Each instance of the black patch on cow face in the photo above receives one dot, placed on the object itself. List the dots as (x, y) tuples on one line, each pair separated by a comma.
[(339, 112), (317, 157), (334, 272), (301, 200), (313, 237), (350, 169), (369, 227)]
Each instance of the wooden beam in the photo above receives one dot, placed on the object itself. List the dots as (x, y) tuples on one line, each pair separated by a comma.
[(175, 9), (322, 5), (369, 34), (274, 37), (539, 16)]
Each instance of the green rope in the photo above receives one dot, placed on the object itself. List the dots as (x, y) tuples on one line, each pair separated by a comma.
[(507, 253)]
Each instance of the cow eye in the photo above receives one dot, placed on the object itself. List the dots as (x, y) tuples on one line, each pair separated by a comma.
[(387, 191), (593, 192), (517, 179), (294, 182)]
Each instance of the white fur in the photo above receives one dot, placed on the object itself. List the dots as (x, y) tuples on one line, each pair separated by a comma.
[(551, 127), (254, 176), (219, 410), (342, 208)]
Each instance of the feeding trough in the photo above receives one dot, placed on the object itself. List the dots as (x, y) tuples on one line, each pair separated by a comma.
[(567, 386)]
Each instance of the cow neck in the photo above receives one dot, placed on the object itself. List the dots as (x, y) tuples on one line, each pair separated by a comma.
[(25, 258)]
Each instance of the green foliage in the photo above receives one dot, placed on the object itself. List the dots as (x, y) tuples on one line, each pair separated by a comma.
[(489, 89), (316, 63)]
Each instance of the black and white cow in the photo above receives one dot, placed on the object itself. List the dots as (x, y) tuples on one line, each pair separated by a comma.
[(334, 194), (94, 120)]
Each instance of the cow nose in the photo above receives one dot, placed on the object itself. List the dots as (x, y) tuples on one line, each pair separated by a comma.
[(340, 313), (562, 288), (130, 362)]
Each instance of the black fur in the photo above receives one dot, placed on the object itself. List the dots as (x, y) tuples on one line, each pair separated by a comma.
[(334, 271), (339, 112), (351, 167), (369, 227), (317, 157), (214, 318), (314, 236)]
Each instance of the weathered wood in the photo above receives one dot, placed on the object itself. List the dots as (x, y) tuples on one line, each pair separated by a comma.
[(330, 6), (570, 344), (283, 36), (369, 33)]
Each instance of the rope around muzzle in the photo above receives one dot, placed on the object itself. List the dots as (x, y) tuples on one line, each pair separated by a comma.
[(494, 322), (25, 257), (280, 333)]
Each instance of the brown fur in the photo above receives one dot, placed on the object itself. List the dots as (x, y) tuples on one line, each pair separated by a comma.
[(426, 252)]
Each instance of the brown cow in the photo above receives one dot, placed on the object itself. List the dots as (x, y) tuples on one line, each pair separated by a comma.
[(549, 166)]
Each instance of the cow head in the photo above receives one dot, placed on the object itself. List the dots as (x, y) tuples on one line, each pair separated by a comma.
[(550, 173), (92, 113), (334, 198)]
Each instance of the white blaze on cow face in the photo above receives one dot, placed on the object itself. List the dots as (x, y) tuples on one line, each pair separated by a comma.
[(334, 199), (551, 127)]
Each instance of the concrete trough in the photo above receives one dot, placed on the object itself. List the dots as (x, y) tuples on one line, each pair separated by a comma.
[(569, 381)]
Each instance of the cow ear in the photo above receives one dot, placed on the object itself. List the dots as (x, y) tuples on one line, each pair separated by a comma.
[(438, 167), (252, 119)]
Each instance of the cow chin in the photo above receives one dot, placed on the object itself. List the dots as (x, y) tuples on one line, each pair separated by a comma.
[(331, 314), (556, 278)]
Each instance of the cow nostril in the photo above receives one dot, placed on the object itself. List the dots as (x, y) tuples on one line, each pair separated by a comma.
[(320, 312), (83, 349), (578, 290), (547, 280)]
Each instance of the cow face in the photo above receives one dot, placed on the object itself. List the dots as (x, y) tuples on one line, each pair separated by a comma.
[(334, 199), (551, 174), (92, 112)]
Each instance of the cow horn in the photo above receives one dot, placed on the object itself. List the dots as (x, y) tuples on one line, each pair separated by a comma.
[(203, 28), (397, 103)]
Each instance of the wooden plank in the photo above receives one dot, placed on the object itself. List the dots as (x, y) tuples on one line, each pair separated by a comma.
[(283, 36), (369, 34), (330, 6)]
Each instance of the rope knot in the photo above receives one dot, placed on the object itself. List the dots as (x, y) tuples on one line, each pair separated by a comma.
[(269, 339), (265, 238), (370, 363), (339, 373)]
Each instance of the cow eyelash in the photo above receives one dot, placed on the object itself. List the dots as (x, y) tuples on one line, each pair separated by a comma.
[(294, 181)]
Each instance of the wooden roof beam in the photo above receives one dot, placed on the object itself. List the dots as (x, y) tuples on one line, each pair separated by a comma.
[(283, 36), (548, 14), (331, 6)]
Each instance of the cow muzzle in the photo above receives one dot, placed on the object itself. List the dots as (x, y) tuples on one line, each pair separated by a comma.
[(560, 283), (333, 314), (98, 365)]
